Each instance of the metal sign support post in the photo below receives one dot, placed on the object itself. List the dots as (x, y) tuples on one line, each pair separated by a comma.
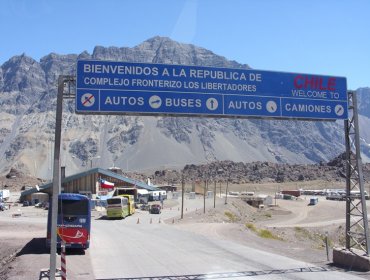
[(357, 227), (62, 82), (214, 195), (204, 196), (182, 195)]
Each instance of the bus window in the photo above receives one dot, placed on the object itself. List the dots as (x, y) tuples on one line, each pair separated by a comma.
[(73, 207)]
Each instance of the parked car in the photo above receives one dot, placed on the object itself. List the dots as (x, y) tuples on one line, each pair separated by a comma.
[(26, 203), (155, 209), (2, 206)]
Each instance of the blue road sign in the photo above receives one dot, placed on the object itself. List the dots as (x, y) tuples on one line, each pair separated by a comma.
[(107, 87)]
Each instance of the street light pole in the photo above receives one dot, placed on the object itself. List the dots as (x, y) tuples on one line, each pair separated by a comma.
[(91, 160), (182, 194)]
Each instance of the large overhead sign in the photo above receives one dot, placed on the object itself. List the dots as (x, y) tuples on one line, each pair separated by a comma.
[(108, 87)]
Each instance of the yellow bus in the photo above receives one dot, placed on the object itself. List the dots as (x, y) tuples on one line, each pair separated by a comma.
[(131, 203), (118, 207)]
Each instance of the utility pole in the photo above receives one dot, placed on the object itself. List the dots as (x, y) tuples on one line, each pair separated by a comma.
[(91, 161), (227, 189), (204, 196), (220, 190), (182, 195), (214, 196)]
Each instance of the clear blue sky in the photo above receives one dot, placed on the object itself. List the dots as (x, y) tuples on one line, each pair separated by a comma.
[(330, 37)]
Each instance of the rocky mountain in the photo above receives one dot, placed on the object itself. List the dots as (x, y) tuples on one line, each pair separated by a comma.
[(27, 119), (255, 172)]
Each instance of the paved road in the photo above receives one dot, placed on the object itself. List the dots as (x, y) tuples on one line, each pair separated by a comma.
[(124, 249)]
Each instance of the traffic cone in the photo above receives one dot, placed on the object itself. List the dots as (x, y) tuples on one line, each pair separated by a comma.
[(151, 221), (138, 221)]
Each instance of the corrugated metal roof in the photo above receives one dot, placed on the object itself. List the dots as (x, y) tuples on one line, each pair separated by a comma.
[(34, 190), (105, 172)]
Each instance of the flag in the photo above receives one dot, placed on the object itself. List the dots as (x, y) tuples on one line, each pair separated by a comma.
[(104, 184)]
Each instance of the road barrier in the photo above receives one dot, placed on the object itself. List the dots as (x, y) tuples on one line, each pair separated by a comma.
[(63, 261)]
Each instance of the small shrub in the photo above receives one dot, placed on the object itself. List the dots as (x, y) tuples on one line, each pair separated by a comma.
[(264, 233), (251, 227), (303, 233), (231, 216)]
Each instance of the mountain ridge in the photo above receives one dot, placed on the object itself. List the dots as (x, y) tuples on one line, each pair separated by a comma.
[(28, 99)]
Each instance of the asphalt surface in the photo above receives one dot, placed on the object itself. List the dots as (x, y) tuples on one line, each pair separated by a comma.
[(144, 247), (150, 246)]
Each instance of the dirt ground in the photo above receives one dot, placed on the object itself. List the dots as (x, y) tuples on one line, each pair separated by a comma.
[(290, 228), (20, 229)]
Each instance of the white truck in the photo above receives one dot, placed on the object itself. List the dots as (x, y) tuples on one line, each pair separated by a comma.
[(157, 195), (4, 195), (142, 196)]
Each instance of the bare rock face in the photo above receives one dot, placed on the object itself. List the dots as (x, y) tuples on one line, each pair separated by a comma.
[(23, 74), (363, 99), (54, 65), (13, 173), (27, 119), (22, 84)]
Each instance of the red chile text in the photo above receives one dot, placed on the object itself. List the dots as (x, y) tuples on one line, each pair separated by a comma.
[(314, 82)]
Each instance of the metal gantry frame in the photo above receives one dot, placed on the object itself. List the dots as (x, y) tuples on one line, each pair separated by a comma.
[(357, 226)]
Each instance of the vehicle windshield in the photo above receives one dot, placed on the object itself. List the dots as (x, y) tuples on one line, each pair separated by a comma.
[(73, 207), (114, 201)]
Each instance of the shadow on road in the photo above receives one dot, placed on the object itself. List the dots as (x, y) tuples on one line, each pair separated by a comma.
[(34, 246), (102, 218), (230, 275), (74, 251), (348, 267)]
